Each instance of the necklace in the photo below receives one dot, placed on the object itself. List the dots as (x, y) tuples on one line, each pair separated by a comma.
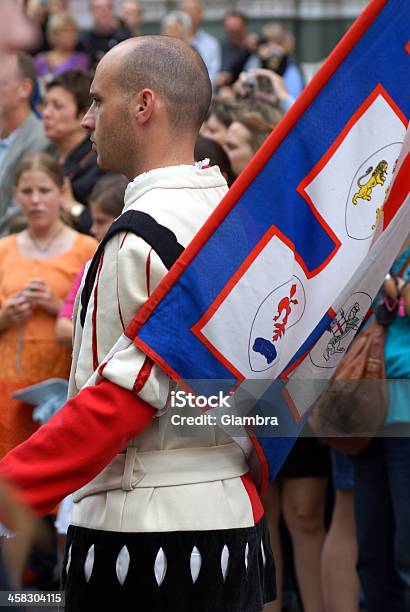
[(44, 248)]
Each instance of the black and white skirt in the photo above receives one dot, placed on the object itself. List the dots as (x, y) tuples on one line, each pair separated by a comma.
[(230, 570)]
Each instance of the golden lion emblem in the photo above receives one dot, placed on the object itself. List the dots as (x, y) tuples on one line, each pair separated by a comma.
[(378, 178)]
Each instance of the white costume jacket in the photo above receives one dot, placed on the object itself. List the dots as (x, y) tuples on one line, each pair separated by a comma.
[(132, 475)]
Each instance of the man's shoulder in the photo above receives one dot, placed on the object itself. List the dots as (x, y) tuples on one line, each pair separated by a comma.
[(30, 136), (120, 33), (165, 189), (86, 36), (32, 122), (208, 39), (181, 210)]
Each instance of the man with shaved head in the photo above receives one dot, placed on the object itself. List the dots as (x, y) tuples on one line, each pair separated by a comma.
[(162, 522), (150, 98)]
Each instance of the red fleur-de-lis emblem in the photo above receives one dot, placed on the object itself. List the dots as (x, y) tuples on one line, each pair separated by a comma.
[(284, 310)]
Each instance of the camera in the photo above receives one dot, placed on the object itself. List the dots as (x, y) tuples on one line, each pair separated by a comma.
[(253, 83), (250, 83)]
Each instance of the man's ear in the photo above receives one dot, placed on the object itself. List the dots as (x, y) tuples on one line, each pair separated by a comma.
[(26, 87), (144, 105)]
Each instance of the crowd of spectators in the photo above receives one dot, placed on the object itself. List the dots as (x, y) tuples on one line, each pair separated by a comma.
[(53, 194), (45, 96)]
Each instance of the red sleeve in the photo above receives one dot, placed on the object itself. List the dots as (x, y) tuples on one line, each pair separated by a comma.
[(75, 445)]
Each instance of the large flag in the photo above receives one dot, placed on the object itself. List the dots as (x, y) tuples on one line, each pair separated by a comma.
[(277, 282)]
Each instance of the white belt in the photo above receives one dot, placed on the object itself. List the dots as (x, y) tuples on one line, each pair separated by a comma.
[(167, 468)]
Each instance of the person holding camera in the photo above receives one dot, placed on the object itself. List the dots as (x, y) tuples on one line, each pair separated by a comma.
[(274, 50), (265, 86)]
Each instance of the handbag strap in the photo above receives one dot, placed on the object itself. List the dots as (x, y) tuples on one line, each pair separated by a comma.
[(375, 367), (404, 266)]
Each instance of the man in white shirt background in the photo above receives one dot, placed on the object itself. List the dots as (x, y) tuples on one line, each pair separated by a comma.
[(207, 45)]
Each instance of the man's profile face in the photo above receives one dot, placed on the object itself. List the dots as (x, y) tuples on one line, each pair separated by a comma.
[(108, 120)]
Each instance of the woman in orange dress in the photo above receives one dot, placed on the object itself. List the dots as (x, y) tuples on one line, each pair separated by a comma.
[(37, 269)]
